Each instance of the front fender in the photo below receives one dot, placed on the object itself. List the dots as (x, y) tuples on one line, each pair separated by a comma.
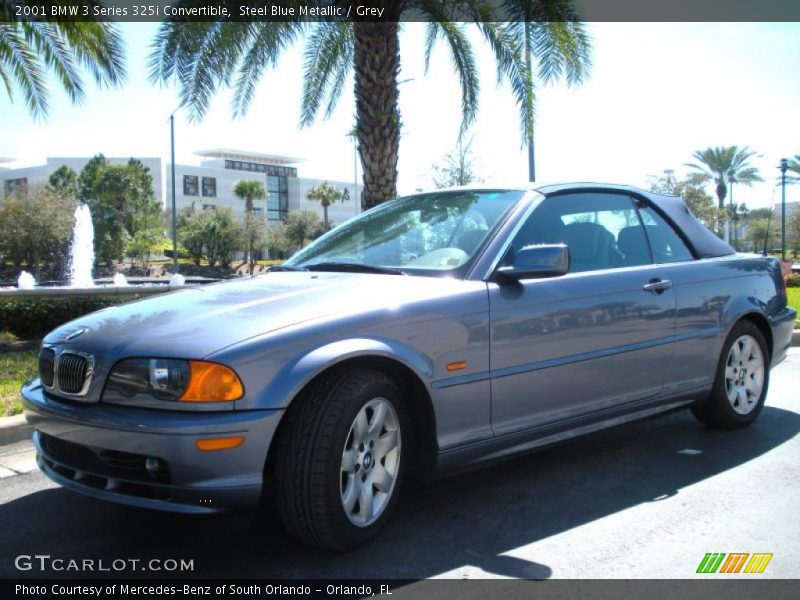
[(296, 373)]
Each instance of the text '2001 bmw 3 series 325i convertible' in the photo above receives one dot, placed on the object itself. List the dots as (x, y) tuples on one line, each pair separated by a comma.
[(433, 333)]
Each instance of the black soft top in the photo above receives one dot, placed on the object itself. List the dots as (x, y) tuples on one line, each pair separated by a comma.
[(705, 243)]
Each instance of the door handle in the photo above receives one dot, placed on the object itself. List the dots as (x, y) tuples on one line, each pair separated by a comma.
[(657, 285)]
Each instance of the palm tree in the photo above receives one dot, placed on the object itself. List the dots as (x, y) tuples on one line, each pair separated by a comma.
[(794, 168), (28, 49), (203, 57), (325, 194), (726, 165), (249, 190)]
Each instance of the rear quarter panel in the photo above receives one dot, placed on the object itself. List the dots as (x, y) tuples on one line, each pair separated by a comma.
[(711, 296)]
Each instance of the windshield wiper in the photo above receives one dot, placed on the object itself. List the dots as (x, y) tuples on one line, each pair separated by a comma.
[(353, 268), (286, 268)]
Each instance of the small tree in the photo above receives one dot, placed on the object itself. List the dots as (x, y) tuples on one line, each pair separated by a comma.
[(250, 190), (225, 236), (37, 228), (190, 233), (793, 231), (325, 194), (763, 231), (213, 233), (144, 244), (457, 168), (122, 202), (299, 228), (64, 182)]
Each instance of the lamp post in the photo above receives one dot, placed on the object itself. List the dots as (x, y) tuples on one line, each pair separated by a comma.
[(784, 165), (174, 216)]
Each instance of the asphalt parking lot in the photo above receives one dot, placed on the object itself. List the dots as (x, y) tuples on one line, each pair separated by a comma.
[(646, 500)]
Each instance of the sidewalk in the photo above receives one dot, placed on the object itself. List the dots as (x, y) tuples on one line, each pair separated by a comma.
[(17, 455)]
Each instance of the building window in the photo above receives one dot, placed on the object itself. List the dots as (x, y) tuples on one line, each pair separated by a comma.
[(275, 170), (16, 187), (190, 185), (209, 206), (210, 187)]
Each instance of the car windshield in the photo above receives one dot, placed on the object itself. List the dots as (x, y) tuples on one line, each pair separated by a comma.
[(427, 234)]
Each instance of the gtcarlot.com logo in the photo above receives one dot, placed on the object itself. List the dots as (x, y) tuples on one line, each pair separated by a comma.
[(46, 562), (734, 562)]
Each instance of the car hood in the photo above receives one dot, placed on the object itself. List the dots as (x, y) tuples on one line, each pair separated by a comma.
[(199, 321)]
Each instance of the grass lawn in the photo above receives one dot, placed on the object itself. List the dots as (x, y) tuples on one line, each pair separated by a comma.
[(15, 368), (794, 300)]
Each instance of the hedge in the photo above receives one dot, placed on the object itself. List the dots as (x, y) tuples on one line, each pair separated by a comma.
[(34, 317)]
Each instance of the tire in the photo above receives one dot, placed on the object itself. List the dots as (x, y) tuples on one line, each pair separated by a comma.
[(741, 381), (338, 472)]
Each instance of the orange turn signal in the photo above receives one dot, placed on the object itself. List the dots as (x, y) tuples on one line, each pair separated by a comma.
[(456, 366), (225, 443), (211, 382)]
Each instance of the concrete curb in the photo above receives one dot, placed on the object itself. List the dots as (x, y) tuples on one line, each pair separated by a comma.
[(14, 429)]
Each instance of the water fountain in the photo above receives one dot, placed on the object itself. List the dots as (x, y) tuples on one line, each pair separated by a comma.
[(26, 281), (81, 251), (81, 264)]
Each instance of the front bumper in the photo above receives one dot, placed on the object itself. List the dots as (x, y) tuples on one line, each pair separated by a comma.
[(100, 450)]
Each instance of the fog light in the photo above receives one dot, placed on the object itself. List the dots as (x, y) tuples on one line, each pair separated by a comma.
[(153, 466)]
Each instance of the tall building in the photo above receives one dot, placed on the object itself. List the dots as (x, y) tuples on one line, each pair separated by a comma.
[(12, 180), (210, 183)]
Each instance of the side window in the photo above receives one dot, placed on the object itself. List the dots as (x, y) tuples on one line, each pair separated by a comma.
[(602, 231), (666, 244)]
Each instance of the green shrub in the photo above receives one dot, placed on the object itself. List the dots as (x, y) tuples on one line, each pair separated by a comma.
[(793, 280), (34, 317)]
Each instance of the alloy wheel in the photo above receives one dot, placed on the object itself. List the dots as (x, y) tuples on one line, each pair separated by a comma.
[(744, 374), (370, 462)]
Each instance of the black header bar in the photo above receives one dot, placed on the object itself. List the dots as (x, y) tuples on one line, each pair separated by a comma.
[(388, 11)]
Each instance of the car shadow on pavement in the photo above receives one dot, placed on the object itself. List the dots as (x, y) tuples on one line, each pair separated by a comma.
[(470, 520)]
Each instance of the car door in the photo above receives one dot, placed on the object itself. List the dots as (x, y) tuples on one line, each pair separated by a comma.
[(595, 339)]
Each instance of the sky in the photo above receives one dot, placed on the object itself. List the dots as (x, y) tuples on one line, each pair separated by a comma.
[(656, 93)]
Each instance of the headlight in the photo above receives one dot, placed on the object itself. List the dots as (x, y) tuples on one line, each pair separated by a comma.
[(176, 380)]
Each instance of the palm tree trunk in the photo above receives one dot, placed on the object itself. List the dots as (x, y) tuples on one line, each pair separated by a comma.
[(722, 191), (377, 63), (325, 215), (249, 231)]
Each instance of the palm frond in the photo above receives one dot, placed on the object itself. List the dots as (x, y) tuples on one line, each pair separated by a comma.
[(463, 59), (268, 40), (54, 53), (204, 57), (99, 48), (29, 49), (431, 35), (328, 61), (508, 44), (19, 60), (461, 54)]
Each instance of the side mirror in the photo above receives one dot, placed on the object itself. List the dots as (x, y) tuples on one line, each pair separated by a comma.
[(531, 262)]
